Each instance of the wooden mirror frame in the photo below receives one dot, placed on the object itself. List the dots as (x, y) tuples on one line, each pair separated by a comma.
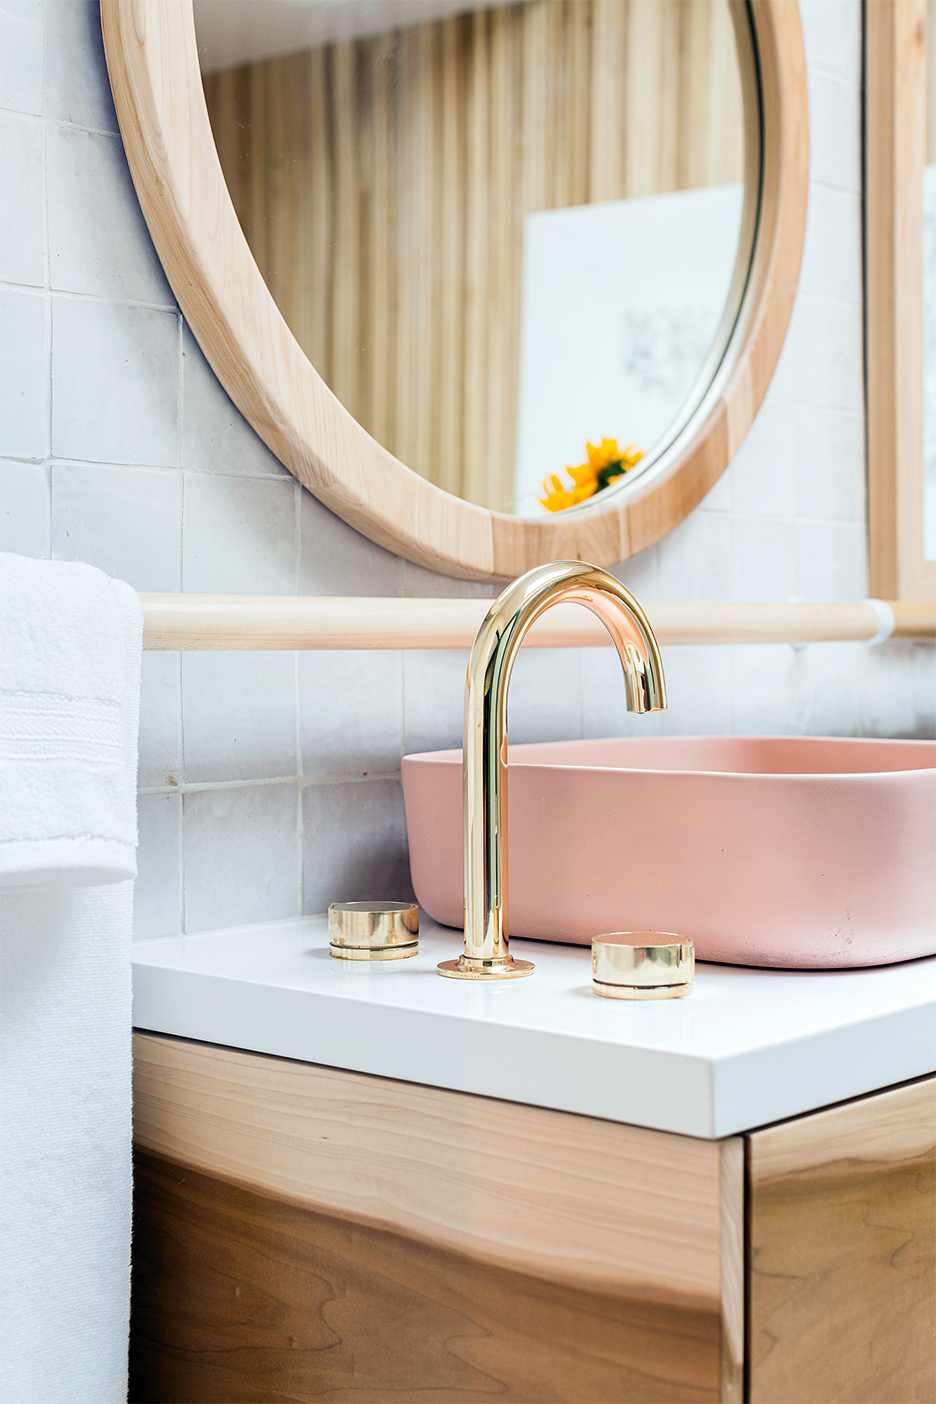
[(152, 59), (895, 152)]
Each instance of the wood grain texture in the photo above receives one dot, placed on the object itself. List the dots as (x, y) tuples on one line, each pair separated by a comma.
[(842, 1295), (153, 64), (895, 152), (460, 121), (585, 1203), (330, 622), (239, 1296)]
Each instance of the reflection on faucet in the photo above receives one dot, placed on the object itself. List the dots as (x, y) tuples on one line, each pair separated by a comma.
[(486, 955)]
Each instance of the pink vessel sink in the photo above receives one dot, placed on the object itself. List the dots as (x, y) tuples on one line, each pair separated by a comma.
[(784, 851)]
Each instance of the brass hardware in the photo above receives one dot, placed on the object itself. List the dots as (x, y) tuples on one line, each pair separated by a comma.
[(642, 965), (486, 955), (373, 930)]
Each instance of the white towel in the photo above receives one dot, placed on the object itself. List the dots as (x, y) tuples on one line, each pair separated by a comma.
[(69, 716), (69, 712), (65, 1167)]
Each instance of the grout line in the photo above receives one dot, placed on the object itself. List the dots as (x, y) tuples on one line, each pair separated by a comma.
[(70, 296), (188, 787), (181, 865), (45, 31), (71, 461), (820, 72), (31, 289), (297, 694), (73, 126)]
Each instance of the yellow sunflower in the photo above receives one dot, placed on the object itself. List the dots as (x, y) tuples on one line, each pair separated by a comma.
[(606, 463)]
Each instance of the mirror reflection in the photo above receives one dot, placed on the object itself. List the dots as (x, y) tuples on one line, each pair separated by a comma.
[(512, 238), (929, 294)]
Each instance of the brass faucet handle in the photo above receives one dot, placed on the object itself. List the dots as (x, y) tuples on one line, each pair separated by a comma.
[(642, 965), (373, 930)]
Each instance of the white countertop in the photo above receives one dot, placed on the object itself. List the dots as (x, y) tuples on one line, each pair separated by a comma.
[(746, 1048)]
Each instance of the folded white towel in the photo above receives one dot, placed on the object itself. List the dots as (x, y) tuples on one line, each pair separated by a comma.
[(69, 716)]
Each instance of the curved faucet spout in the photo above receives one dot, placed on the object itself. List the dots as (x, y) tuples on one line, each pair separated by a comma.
[(486, 954)]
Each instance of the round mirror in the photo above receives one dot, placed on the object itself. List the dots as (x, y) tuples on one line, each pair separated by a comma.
[(512, 239), (540, 255)]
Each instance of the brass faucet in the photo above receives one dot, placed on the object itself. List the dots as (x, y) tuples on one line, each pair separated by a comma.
[(486, 955)]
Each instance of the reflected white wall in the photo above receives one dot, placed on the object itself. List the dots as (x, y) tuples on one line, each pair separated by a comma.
[(929, 362), (621, 303)]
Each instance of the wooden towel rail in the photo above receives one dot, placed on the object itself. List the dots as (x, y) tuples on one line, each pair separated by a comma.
[(194, 622)]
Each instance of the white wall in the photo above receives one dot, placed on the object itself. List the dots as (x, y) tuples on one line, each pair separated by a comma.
[(270, 782)]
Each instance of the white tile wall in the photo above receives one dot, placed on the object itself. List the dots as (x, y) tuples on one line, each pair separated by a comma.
[(125, 520), (238, 716), (21, 61), (115, 382), (86, 172), (22, 214), (270, 782), (354, 843), (240, 863), (23, 397)]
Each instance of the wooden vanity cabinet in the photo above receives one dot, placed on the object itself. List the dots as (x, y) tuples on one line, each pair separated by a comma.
[(303, 1233)]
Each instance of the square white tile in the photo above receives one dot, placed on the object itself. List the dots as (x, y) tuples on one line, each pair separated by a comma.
[(115, 383), (832, 561), (22, 224), (830, 464), (157, 892), (641, 574), (544, 699), (433, 698), (699, 691), (695, 558), (351, 713), (830, 354), (886, 694), (98, 240), (421, 583), (763, 560), (765, 690), (160, 755), (24, 509), (21, 60), (23, 374), (832, 36), (830, 688), (834, 131), (216, 437), (718, 498), (354, 844), (337, 560), (77, 86), (763, 472), (239, 716), (832, 252), (126, 521), (238, 535), (241, 856)]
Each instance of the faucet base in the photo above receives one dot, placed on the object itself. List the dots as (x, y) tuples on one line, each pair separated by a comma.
[(472, 968)]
